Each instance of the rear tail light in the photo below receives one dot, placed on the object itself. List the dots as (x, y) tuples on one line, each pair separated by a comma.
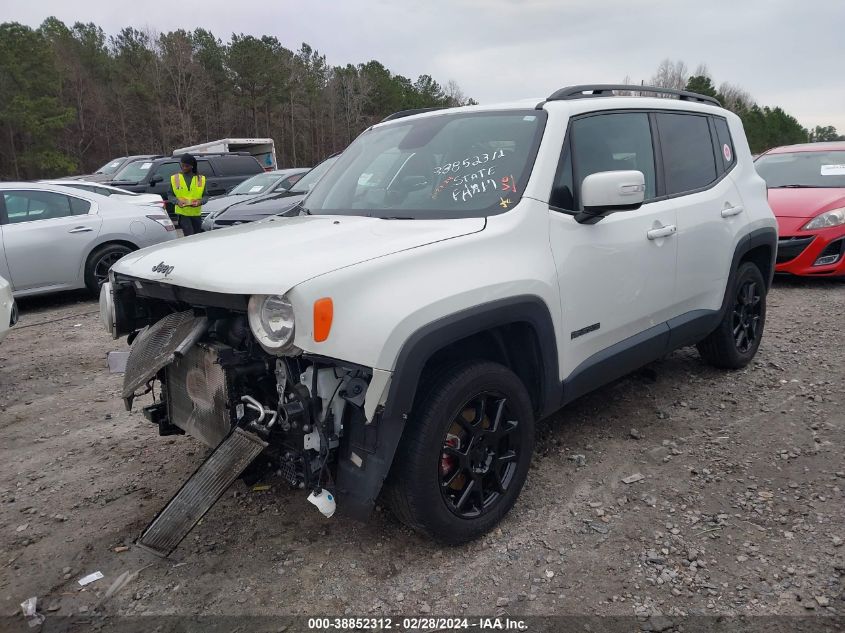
[(164, 221)]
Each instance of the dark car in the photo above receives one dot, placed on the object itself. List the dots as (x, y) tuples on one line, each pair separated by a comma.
[(108, 171), (222, 171), (275, 181), (272, 203)]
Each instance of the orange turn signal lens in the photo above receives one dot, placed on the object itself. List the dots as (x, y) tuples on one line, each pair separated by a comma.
[(323, 315)]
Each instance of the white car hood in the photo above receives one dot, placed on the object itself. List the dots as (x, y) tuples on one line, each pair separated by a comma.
[(271, 257)]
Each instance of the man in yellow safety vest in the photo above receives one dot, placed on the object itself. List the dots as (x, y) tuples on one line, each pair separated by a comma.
[(188, 195)]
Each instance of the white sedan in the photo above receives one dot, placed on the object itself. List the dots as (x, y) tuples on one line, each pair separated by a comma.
[(114, 193), (58, 238), (8, 309)]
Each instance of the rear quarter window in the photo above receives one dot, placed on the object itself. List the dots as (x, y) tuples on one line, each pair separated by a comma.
[(236, 166), (727, 156), (78, 206), (687, 148)]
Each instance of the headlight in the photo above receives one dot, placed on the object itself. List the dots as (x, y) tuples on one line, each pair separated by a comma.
[(271, 320), (834, 217)]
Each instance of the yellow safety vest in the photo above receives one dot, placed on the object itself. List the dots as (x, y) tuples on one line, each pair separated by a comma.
[(194, 192)]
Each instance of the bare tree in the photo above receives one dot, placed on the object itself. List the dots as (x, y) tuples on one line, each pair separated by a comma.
[(735, 98), (672, 75), (702, 71), (454, 94)]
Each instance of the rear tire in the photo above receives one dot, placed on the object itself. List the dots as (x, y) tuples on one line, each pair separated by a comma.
[(99, 262), (464, 453), (734, 343)]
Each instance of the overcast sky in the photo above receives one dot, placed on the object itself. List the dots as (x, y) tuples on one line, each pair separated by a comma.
[(783, 52)]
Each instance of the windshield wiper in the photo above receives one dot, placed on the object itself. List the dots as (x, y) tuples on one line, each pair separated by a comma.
[(794, 187)]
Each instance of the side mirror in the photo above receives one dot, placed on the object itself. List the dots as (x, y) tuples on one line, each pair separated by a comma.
[(607, 192), (157, 178)]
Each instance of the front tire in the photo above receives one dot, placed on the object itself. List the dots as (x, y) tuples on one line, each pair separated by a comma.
[(464, 454), (734, 343), (99, 262)]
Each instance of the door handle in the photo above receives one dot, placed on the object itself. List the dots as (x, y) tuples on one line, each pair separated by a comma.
[(81, 229), (730, 211), (663, 231)]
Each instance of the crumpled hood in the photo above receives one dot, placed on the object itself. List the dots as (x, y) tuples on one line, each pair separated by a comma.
[(805, 202), (272, 257)]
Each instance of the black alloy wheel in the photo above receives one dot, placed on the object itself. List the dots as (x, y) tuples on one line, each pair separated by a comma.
[(480, 454), (464, 453), (736, 339), (746, 316)]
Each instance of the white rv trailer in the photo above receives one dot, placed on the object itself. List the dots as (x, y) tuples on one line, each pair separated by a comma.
[(262, 148)]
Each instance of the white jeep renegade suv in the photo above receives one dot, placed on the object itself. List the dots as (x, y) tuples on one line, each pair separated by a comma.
[(456, 276)]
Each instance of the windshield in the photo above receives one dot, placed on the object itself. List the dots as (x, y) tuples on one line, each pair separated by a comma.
[(134, 171), (304, 184), (445, 166), (803, 169), (257, 184), (109, 168)]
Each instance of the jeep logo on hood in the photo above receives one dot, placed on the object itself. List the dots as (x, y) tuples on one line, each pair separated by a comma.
[(163, 268)]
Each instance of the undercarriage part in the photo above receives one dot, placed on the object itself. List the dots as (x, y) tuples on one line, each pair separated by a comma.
[(290, 471), (157, 414), (157, 346), (201, 492)]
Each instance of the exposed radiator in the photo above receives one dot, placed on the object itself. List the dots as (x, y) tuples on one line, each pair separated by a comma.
[(198, 394)]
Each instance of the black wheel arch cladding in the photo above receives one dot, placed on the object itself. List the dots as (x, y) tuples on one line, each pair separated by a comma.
[(359, 486)]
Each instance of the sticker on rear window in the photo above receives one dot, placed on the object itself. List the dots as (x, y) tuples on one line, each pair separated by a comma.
[(833, 170), (726, 152)]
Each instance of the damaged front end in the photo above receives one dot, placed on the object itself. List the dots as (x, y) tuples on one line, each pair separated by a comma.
[(295, 416)]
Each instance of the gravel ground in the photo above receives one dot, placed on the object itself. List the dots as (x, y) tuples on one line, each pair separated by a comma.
[(738, 508)]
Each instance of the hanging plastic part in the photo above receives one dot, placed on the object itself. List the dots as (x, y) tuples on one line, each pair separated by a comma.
[(324, 500)]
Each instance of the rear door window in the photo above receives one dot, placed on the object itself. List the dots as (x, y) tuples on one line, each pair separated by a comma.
[(30, 206), (204, 168), (687, 147)]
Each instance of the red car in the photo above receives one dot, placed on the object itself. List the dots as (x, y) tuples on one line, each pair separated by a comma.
[(807, 194)]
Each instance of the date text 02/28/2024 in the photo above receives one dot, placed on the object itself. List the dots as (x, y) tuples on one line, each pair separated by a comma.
[(417, 624)]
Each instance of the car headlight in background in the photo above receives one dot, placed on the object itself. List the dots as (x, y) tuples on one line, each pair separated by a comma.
[(834, 217), (271, 321)]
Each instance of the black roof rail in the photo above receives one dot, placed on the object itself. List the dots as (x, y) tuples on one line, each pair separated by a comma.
[(607, 90), (403, 113)]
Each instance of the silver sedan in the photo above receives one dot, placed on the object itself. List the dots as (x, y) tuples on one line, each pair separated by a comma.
[(58, 238)]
